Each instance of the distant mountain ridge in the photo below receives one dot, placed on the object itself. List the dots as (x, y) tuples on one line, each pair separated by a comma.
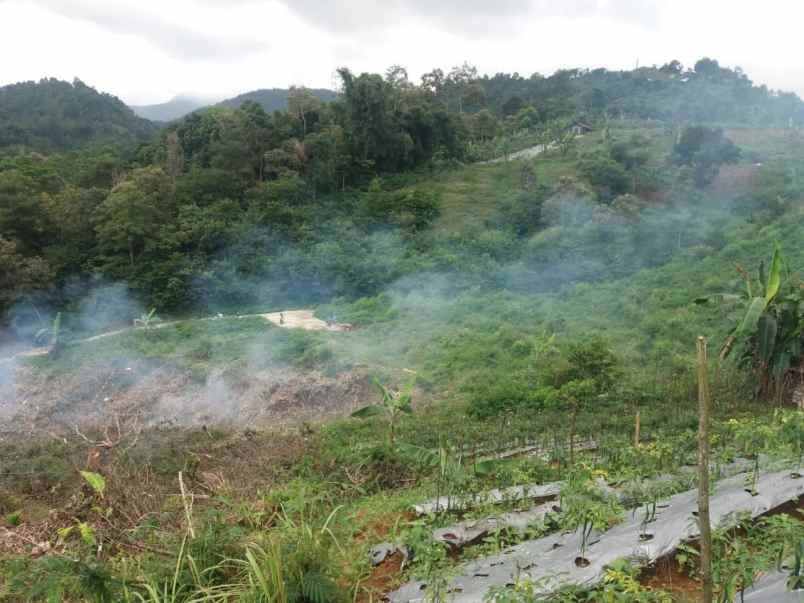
[(271, 99), (54, 115), (175, 108), (274, 99)]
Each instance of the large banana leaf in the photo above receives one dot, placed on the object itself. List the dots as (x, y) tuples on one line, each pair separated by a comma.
[(763, 277), (774, 276), (749, 323), (766, 337)]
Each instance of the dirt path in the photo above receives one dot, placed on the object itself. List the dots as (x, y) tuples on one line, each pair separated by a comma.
[(287, 319), (523, 154)]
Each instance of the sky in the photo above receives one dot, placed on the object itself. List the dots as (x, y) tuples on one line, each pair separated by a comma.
[(149, 51)]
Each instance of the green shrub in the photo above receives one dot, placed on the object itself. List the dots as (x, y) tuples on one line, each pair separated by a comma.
[(491, 398)]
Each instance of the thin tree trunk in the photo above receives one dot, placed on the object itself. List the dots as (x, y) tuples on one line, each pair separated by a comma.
[(572, 438), (703, 474)]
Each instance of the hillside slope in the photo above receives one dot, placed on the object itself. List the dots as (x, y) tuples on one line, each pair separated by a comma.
[(54, 115), (273, 99)]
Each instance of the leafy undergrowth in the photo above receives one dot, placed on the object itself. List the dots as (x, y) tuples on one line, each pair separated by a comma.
[(297, 512), (533, 319), (199, 345)]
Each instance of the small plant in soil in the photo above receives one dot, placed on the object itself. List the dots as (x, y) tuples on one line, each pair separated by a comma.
[(686, 557), (751, 480), (792, 432), (14, 519), (646, 497), (585, 508), (735, 562), (750, 436), (648, 517), (780, 535), (621, 584), (796, 579), (147, 321)]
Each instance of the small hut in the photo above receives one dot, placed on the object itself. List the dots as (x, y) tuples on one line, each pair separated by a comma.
[(580, 128)]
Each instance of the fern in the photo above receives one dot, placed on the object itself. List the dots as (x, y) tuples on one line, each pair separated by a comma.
[(55, 578), (316, 587)]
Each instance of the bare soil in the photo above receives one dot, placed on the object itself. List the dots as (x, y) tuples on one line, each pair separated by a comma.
[(151, 394), (303, 319)]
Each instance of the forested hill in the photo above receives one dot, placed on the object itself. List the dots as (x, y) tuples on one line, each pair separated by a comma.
[(53, 115), (239, 207), (274, 99), (704, 92)]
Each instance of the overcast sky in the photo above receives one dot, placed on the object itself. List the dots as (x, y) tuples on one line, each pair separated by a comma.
[(148, 51)]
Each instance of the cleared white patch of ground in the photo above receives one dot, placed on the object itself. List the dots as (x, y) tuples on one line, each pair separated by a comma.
[(288, 319), (303, 319)]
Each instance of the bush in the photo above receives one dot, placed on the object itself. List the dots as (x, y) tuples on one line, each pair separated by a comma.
[(303, 348), (607, 176), (592, 359), (491, 398)]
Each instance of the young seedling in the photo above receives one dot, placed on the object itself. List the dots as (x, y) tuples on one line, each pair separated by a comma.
[(793, 433), (392, 405), (584, 509), (147, 320), (648, 517), (750, 436), (796, 579)]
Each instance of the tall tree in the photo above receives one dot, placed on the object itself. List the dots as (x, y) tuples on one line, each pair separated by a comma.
[(19, 274), (22, 215), (302, 103), (131, 217)]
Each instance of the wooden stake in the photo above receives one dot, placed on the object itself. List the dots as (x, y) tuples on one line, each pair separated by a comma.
[(572, 437), (636, 429), (703, 474)]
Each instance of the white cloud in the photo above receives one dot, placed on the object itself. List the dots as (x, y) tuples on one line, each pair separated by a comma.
[(175, 38), (149, 50)]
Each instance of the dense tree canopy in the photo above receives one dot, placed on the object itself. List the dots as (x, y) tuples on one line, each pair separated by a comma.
[(236, 205), (55, 115)]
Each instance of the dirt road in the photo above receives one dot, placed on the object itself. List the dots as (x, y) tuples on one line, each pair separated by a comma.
[(287, 319), (523, 154)]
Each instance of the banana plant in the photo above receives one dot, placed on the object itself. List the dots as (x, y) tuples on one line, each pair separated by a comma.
[(147, 320), (769, 334), (392, 405), (52, 336)]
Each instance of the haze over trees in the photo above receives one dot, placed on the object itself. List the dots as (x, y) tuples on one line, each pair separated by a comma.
[(210, 206), (508, 276)]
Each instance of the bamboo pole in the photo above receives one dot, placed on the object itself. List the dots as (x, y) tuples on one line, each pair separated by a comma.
[(703, 474)]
